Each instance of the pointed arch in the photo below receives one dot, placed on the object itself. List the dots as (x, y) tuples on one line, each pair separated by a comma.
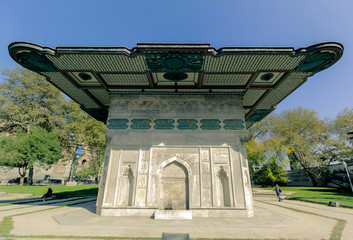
[(175, 191), (174, 159)]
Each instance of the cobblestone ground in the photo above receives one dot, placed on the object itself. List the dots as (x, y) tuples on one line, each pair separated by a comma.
[(74, 218)]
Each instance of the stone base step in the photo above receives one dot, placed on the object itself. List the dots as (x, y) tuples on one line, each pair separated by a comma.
[(173, 214)]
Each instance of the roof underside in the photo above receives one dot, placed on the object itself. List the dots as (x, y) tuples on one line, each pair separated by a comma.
[(264, 76)]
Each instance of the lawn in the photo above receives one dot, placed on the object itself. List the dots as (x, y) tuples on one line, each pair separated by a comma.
[(58, 190), (319, 194)]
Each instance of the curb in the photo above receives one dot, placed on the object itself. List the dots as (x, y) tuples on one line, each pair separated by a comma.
[(323, 203)]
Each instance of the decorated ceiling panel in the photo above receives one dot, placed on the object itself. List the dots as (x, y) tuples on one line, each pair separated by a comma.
[(226, 79), (126, 79), (71, 90), (102, 95), (264, 76), (284, 89), (98, 63), (251, 62), (252, 96)]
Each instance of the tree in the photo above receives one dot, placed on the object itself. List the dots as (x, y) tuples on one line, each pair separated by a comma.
[(84, 130), (305, 135), (22, 149), (340, 127), (271, 173), (95, 142), (27, 100), (270, 155)]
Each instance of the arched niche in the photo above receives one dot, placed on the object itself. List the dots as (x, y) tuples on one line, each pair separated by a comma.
[(174, 184), (224, 194), (126, 187)]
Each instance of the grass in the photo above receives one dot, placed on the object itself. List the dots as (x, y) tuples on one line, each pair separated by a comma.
[(58, 190), (6, 226), (319, 194)]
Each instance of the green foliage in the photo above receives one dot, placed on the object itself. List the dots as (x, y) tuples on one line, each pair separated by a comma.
[(270, 174), (342, 147), (23, 149), (90, 133), (301, 137), (305, 136), (27, 100), (344, 124), (75, 125), (270, 155)]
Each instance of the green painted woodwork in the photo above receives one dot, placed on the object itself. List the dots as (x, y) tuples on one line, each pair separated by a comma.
[(98, 113), (174, 61), (35, 62), (316, 62), (264, 76), (267, 76), (175, 76), (85, 76), (258, 115)]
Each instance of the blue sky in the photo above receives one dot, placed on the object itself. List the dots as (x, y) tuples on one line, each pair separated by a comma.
[(220, 23)]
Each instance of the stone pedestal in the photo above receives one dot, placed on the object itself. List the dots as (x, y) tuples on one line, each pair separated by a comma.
[(175, 153), (173, 214)]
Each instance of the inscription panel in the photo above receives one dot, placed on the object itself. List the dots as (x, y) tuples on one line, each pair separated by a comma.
[(220, 155), (210, 124), (206, 193), (164, 124)]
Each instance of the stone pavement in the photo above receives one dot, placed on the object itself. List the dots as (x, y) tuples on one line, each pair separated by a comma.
[(273, 220)]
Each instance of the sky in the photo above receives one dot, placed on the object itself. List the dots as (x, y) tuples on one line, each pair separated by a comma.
[(278, 23)]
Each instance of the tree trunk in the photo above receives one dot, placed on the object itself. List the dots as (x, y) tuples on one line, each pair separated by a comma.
[(30, 176), (23, 174), (310, 174), (312, 177)]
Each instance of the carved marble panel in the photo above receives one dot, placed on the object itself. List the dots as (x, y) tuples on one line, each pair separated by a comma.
[(130, 156), (111, 178), (220, 155)]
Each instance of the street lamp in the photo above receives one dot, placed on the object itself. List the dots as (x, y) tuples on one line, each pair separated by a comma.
[(350, 182), (345, 164)]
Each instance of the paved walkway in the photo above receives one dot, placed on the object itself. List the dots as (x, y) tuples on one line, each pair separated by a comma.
[(273, 220)]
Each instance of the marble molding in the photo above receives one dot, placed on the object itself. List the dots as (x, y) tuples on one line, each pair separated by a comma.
[(200, 170)]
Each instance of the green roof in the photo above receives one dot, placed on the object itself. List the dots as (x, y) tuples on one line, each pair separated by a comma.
[(264, 76)]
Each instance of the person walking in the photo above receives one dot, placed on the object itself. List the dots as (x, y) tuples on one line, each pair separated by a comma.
[(278, 192)]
